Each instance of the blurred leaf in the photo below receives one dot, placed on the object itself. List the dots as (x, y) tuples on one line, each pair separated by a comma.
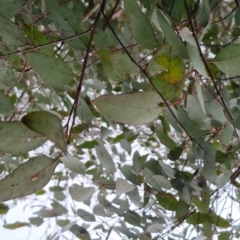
[(48, 213), (86, 216), (187, 123), (9, 7), (104, 157), (79, 193), (175, 153), (141, 27), (219, 221), (136, 108), (7, 74), (167, 200), (3, 208), (133, 218), (166, 140), (5, 105), (123, 186), (35, 173), (48, 125), (36, 221), (53, 71), (11, 36), (80, 232), (74, 164), (198, 218), (16, 225), (123, 65), (162, 181), (67, 23)]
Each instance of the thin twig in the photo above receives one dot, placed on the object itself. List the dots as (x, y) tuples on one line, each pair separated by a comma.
[(75, 104)]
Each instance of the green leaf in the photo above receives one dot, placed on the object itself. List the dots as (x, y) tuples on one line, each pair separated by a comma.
[(16, 225), (52, 70), (175, 69), (123, 186), (136, 108), (175, 153), (5, 105), (3, 208), (173, 39), (129, 174), (226, 134), (227, 60), (219, 221), (197, 218), (167, 200), (193, 51), (108, 68), (196, 114), (16, 138), (104, 157), (67, 24), (8, 8), (141, 27), (35, 174), (79, 193), (188, 124), (80, 232), (74, 164), (48, 125), (36, 221), (123, 65), (7, 74), (168, 90), (133, 218), (166, 140), (11, 36), (38, 38), (162, 181)]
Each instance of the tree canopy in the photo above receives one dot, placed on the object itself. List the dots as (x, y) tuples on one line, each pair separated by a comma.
[(123, 115)]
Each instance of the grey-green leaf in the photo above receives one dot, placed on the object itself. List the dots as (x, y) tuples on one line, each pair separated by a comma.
[(104, 157), (80, 193), (9, 7), (5, 105), (28, 178), (16, 138), (136, 108), (11, 36), (173, 39), (141, 27), (48, 125), (52, 70), (227, 60), (74, 164)]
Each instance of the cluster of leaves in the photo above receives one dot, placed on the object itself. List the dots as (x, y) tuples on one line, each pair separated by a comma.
[(141, 97)]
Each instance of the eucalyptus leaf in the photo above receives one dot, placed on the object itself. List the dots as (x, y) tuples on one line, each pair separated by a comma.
[(79, 193), (48, 125), (136, 108), (16, 138), (35, 173), (141, 27), (52, 70)]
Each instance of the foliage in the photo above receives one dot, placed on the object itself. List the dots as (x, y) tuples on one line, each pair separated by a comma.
[(130, 108)]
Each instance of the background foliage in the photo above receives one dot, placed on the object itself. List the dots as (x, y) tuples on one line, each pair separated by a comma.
[(130, 108)]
